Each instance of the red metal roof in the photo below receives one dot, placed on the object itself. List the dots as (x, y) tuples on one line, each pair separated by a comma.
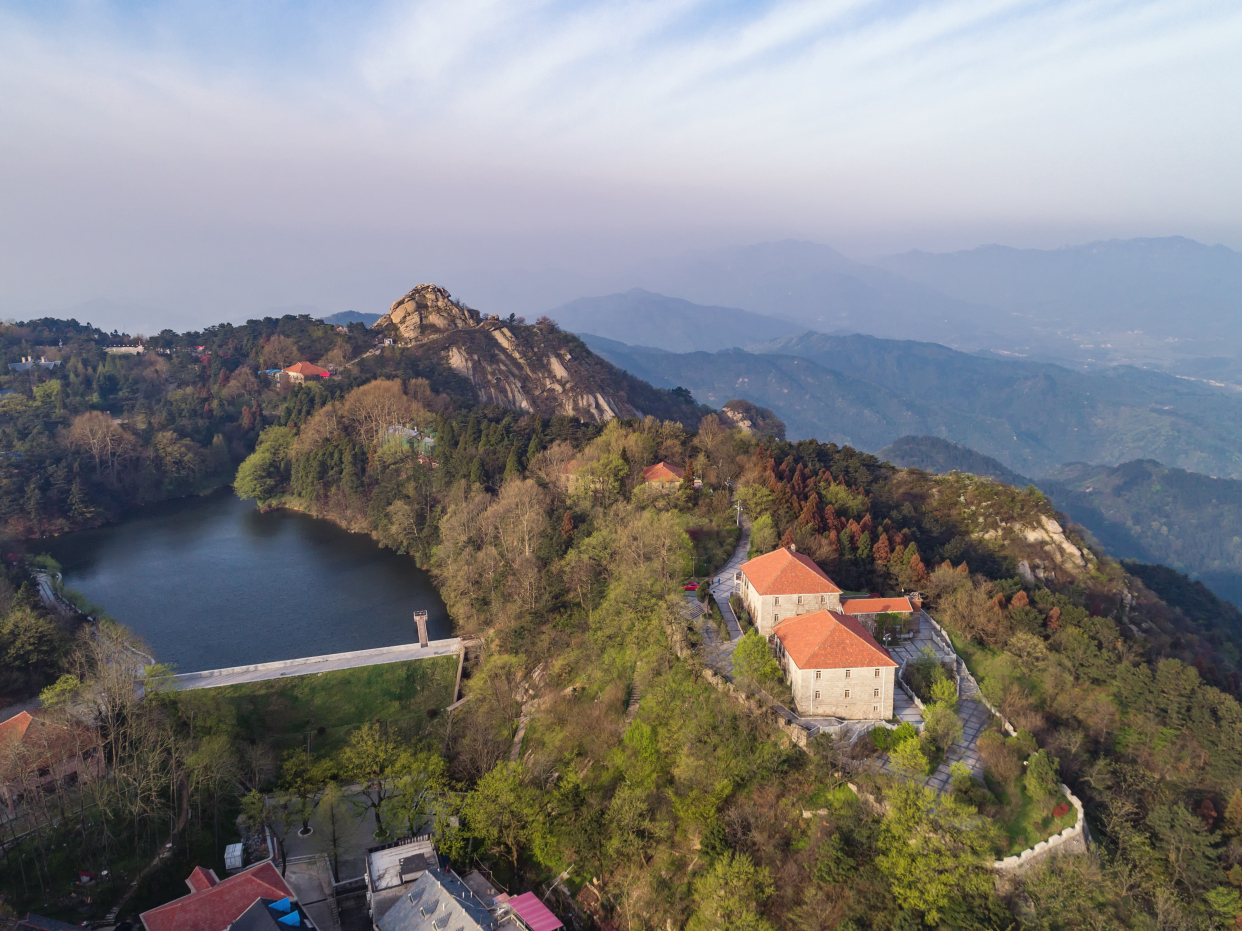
[(828, 640), (787, 572), (876, 606), (533, 913), (217, 907)]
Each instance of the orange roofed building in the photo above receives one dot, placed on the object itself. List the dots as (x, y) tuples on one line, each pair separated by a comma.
[(835, 667), (214, 904), (785, 583), (662, 472), (301, 371)]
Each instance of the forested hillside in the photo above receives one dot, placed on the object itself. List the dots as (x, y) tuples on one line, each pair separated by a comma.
[(1145, 511), (938, 456), (1031, 416), (684, 807)]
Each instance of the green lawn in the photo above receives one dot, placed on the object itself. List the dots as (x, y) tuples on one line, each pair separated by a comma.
[(327, 706), (1028, 825)]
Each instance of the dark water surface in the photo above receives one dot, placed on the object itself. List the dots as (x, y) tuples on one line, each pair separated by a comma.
[(210, 582)]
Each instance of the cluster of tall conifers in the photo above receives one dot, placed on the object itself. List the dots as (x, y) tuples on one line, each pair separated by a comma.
[(831, 520)]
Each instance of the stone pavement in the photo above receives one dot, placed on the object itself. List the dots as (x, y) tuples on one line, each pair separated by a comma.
[(975, 720), (723, 584)]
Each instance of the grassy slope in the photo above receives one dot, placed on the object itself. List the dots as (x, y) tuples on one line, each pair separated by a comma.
[(287, 710)]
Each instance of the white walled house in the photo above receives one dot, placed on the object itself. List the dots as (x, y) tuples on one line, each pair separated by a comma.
[(784, 583), (834, 667)]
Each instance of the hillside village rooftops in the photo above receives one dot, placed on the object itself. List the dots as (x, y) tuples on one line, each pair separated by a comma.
[(787, 572), (828, 640), (663, 472), (214, 904), (877, 606)]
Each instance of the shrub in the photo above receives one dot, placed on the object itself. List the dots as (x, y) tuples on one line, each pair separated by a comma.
[(908, 758), (962, 777), (1042, 780), (941, 726), (945, 692)]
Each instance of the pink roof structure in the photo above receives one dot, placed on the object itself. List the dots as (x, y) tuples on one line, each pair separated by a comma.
[(533, 913)]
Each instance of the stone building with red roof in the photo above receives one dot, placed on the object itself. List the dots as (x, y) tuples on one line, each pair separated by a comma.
[(215, 904), (785, 583), (834, 667)]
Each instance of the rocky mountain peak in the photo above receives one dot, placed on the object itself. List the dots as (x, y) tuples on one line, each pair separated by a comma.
[(425, 312)]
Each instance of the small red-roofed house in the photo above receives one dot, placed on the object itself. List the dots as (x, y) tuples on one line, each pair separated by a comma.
[(662, 473), (300, 371), (785, 583), (835, 667), (214, 904)]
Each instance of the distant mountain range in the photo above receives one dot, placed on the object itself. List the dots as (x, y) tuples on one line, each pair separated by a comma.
[(669, 323), (939, 456), (1171, 302), (1138, 510), (1170, 288), (346, 317), (1031, 416)]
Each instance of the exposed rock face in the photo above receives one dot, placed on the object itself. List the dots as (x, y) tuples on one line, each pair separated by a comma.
[(752, 418), (425, 312), (536, 368)]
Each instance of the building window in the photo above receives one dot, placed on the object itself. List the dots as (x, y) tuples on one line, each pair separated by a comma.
[(875, 707), (775, 618), (799, 599), (823, 598), (817, 696), (847, 673), (847, 693), (776, 600), (877, 673), (818, 673), (876, 693)]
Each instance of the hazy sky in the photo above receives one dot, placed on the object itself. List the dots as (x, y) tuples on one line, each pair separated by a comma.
[(217, 159)]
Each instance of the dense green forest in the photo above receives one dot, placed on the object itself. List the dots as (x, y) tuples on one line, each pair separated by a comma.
[(547, 545)]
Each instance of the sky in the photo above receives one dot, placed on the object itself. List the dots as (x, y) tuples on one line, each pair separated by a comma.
[(197, 162)]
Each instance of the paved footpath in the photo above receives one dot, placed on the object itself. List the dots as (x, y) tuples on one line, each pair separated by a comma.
[(311, 665), (723, 585)]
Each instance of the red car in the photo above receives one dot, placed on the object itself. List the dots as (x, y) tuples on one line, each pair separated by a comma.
[(692, 587)]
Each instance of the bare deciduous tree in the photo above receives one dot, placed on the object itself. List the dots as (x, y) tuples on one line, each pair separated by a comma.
[(376, 406)]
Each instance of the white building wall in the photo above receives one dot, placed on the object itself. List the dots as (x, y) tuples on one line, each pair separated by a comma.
[(823, 691)]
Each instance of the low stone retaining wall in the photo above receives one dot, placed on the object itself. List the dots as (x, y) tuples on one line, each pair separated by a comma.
[(1072, 840), (196, 679)]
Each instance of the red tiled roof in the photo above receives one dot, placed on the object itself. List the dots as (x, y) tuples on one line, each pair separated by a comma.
[(876, 606), (201, 879), (15, 727), (786, 572), (217, 907), (307, 368), (828, 640), (663, 472)]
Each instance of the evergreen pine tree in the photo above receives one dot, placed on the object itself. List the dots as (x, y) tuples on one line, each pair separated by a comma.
[(513, 466), (536, 440), (847, 543)]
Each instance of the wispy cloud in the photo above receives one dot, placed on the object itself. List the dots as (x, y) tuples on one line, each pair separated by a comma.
[(826, 118)]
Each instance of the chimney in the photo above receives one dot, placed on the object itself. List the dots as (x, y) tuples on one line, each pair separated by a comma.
[(420, 621)]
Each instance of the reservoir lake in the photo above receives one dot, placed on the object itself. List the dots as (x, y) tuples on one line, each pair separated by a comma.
[(211, 582)]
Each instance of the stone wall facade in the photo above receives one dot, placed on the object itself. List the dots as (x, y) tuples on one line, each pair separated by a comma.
[(766, 610), (852, 694)]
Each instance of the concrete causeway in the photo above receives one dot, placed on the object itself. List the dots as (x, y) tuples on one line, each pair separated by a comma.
[(310, 665)]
